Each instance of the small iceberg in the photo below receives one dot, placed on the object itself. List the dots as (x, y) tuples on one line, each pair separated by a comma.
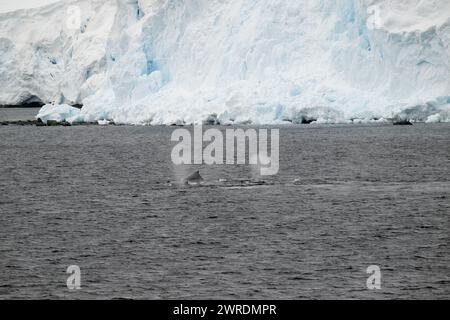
[(103, 122), (58, 113)]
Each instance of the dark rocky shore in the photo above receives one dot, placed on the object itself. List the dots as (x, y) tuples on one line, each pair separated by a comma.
[(28, 119), (51, 123), (403, 123)]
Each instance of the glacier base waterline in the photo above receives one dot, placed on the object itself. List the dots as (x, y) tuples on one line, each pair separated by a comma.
[(260, 61)]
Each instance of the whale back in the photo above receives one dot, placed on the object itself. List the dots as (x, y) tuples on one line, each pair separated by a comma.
[(195, 177)]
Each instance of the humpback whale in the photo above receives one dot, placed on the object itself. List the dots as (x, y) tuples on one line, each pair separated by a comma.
[(194, 179)]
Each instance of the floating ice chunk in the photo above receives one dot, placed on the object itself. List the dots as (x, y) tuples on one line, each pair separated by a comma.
[(59, 113), (103, 122)]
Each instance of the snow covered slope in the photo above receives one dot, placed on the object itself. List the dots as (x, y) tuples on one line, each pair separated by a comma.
[(43, 57), (260, 61), (12, 5)]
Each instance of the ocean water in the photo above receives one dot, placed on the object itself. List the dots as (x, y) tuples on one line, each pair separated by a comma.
[(99, 198), (16, 114)]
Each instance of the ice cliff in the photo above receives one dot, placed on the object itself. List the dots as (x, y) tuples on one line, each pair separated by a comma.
[(259, 61)]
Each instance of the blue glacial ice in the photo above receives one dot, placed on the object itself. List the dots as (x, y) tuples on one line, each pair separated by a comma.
[(259, 61)]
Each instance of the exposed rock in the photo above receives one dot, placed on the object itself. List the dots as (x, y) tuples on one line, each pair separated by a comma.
[(19, 123), (39, 123), (403, 123), (308, 120), (52, 123)]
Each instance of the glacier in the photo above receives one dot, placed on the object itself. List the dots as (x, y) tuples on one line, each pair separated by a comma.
[(153, 62)]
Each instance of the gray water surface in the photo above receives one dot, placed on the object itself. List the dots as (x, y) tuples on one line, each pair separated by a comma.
[(99, 198), (16, 114)]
